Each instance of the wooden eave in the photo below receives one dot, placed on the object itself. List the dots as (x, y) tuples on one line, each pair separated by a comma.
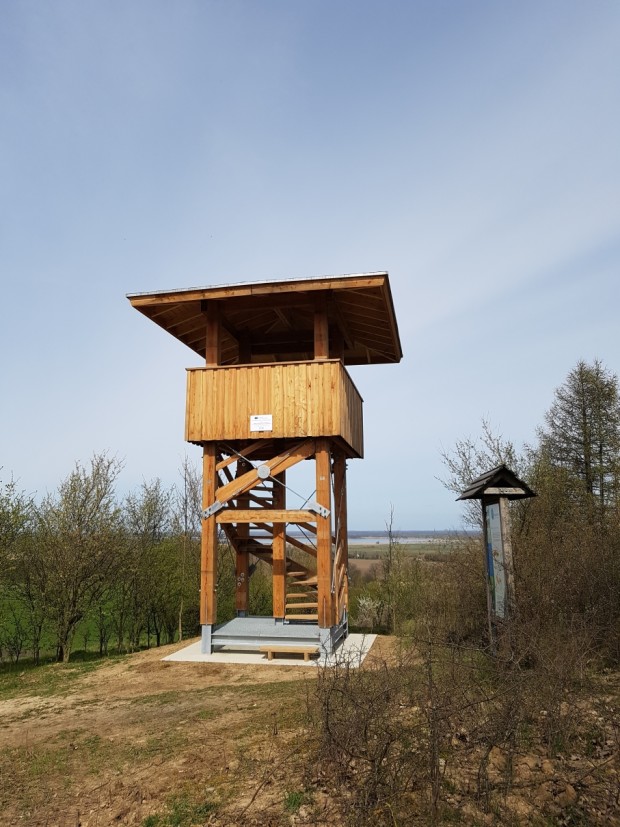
[(277, 317)]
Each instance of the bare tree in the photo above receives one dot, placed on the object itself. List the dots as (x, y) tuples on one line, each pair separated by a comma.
[(471, 457), (186, 521), (148, 519), (15, 520), (78, 532)]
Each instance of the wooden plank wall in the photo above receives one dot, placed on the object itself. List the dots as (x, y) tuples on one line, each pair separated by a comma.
[(315, 399)]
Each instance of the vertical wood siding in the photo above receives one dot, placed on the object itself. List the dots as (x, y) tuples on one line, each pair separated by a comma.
[(304, 398)]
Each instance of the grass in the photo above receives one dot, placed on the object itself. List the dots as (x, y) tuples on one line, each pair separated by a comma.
[(181, 811), (48, 679), (294, 800)]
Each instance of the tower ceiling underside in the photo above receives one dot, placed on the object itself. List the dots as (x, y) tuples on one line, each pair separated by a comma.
[(274, 321)]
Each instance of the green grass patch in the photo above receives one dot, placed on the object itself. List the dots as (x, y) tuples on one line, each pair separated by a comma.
[(294, 800), (45, 680), (182, 811)]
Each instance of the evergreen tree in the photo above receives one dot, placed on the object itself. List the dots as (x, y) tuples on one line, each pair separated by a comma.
[(582, 431)]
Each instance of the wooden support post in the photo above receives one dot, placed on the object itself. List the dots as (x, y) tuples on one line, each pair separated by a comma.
[(321, 329), (341, 529), (278, 549), (208, 549), (487, 563), (212, 346), (504, 516), (324, 534), (242, 557)]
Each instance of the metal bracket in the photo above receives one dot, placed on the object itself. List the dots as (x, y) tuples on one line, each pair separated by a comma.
[(318, 509), (263, 471), (212, 509)]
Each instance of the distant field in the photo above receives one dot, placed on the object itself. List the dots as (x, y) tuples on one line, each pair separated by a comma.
[(363, 558), (375, 551)]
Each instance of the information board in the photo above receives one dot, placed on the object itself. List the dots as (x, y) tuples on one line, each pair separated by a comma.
[(496, 568), (261, 422)]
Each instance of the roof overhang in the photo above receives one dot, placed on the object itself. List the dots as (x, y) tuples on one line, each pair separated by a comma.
[(498, 482), (277, 317)]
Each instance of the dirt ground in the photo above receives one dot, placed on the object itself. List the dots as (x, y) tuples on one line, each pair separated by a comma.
[(122, 740), (118, 742), (141, 741)]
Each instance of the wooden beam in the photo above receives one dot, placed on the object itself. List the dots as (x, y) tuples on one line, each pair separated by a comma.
[(341, 528), (343, 326), (269, 301), (247, 452), (290, 288), (205, 309), (504, 513), (282, 338), (261, 502), (292, 541), (321, 328), (208, 542), (324, 534), (282, 316), (242, 557), (297, 453), (301, 351), (264, 515), (279, 548), (212, 341)]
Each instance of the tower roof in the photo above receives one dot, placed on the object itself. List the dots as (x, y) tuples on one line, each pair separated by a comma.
[(277, 317)]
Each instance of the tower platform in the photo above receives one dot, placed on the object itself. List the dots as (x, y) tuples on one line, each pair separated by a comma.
[(251, 633)]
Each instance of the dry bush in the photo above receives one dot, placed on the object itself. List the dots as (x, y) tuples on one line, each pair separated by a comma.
[(567, 573), (442, 731), (393, 736), (369, 737), (450, 598)]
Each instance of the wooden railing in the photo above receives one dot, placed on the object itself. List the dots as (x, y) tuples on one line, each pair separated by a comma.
[(292, 399)]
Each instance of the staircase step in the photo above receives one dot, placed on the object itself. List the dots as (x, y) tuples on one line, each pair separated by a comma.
[(311, 581), (302, 617), (294, 595), (302, 606)]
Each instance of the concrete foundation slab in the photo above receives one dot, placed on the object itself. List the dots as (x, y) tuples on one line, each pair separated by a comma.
[(353, 651)]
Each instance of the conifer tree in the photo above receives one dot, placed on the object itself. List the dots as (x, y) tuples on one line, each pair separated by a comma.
[(582, 430)]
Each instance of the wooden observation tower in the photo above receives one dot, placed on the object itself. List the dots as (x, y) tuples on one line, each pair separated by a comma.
[(274, 391)]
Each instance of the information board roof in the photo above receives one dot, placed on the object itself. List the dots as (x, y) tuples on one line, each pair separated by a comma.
[(499, 481)]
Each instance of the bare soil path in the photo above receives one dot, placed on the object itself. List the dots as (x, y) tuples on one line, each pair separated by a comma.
[(119, 741)]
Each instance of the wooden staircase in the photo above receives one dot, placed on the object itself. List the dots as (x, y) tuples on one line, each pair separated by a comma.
[(301, 597), (301, 578)]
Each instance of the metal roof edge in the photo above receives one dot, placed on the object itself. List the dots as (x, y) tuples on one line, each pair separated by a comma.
[(181, 290)]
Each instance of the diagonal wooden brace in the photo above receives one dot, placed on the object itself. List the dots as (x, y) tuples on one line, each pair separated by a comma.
[(250, 479)]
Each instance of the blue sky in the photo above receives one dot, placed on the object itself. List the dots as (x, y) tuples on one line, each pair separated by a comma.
[(469, 148)]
